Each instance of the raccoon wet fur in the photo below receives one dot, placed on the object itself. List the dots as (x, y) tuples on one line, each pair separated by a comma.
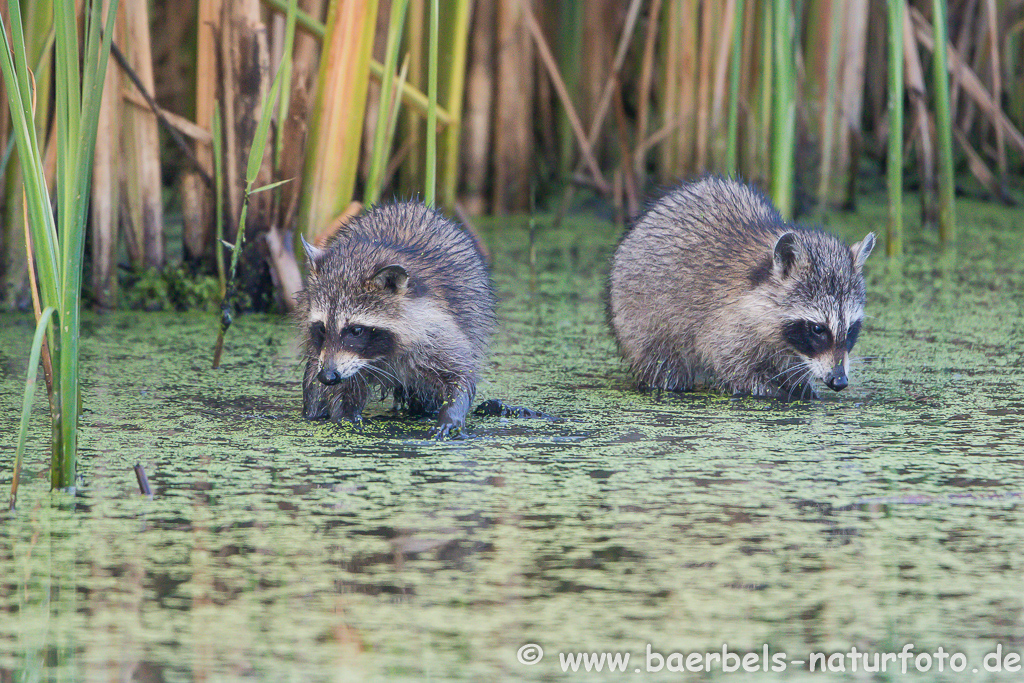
[(400, 301), (711, 288)]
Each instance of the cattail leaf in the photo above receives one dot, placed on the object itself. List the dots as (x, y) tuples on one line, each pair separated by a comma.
[(271, 185), (30, 391), (259, 141)]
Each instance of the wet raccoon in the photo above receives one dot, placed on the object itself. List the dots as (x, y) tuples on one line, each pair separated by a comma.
[(399, 300), (711, 288)]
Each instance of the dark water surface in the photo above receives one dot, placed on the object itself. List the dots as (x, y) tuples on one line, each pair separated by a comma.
[(280, 550)]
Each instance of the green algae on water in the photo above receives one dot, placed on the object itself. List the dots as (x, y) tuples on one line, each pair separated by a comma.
[(279, 549)]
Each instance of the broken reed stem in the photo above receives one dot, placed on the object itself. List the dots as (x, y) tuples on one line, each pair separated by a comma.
[(140, 476)]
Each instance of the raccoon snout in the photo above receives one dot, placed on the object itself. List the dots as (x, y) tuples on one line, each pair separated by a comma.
[(330, 376), (836, 379)]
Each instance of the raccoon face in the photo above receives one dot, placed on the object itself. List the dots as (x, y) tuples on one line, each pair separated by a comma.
[(350, 321), (824, 321), (343, 353), (824, 349)]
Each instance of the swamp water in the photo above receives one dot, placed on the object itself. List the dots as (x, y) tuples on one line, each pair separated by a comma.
[(281, 550)]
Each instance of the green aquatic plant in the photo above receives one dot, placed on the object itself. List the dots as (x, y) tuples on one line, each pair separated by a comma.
[(57, 239), (256, 151)]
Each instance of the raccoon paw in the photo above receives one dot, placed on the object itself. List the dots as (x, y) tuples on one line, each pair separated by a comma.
[(445, 430), (356, 420)]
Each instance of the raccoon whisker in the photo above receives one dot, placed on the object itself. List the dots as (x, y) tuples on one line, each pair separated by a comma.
[(381, 373), (791, 369), (372, 373), (395, 374), (798, 372), (805, 382)]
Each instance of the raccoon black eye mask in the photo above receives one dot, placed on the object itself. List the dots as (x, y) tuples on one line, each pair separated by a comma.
[(711, 288)]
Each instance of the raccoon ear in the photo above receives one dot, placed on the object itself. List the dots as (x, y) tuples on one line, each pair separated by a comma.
[(313, 254), (787, 254), (393, 277), (862, 250)]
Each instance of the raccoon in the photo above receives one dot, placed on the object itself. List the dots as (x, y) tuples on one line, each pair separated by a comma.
[(712, 288), (399, 300)]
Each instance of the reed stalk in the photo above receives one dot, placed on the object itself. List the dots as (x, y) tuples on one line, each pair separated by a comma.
[(209, 32), (680, 88), (705, 56), (646, 83), (513, 117), (943, 124), (894, 160), (855, 21), (284, 104), (766, 92), (106, 195), (412, 122), (828, 125), (218, 199), (475, 155), (382, 140), (992, 16), (430, 189), (569, 47), (784, 109), (586, 148), (732, 134), (458, 34), (917, 94), (332, 152), (141, 143)]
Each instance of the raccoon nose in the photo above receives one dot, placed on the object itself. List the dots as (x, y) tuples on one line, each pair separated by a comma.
[(329, 376), (836, 379)]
